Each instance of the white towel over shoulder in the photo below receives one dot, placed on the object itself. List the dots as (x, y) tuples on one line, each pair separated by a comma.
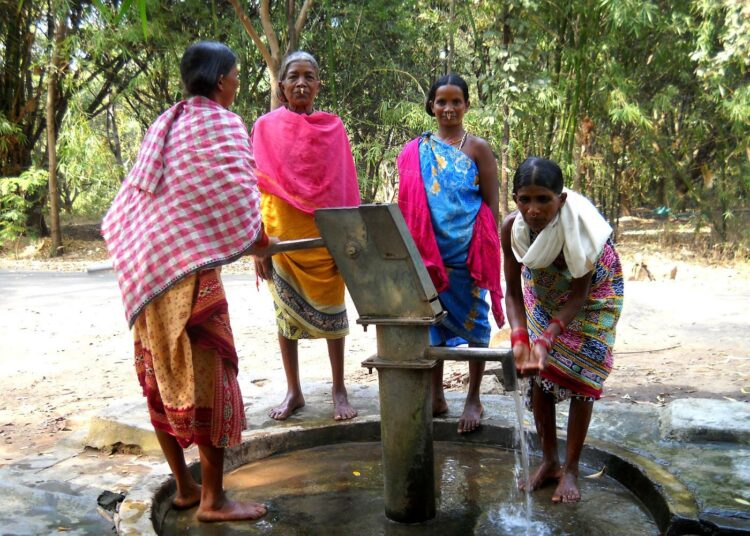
[(578, 229)]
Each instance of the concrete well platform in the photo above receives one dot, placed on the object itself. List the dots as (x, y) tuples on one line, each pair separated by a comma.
[(700, 481), (697, 449)]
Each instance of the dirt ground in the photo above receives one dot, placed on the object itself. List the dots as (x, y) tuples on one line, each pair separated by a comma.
[(66, 354)]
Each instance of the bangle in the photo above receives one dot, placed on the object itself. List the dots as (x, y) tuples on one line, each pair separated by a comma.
[(262, 241), (519, 335), (545, 339), (558, 322)]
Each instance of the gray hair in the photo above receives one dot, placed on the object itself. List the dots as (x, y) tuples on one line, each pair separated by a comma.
[(297, 55)]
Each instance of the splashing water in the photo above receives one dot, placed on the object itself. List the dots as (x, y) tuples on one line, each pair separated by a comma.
[(513, 520)]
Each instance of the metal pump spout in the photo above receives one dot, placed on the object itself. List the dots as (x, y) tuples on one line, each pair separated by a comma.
[(504, 355)]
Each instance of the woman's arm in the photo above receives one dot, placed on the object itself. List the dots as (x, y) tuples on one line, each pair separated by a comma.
[(513, 293), (514, 308), (488, 184), (579, 291)]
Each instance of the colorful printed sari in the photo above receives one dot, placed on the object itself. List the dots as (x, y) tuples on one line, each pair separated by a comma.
[(581, 357), (451, 182), (187, 364)]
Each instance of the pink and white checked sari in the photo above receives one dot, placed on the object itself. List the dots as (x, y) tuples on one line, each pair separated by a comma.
[(190, 202)]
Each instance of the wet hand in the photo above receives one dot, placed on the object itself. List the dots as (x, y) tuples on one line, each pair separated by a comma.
[(521, 355), (537, 359)]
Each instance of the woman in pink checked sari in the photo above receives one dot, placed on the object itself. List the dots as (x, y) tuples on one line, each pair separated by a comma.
[(189, 205)]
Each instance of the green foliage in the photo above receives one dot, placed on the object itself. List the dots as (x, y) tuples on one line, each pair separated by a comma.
[(642, 103), (17, 194), (10, 133), (88, 171)]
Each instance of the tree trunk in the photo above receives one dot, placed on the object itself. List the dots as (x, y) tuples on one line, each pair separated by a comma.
[(56, 247), (272, 53), (114, 139), (582, 155), (451, 31), (506, 130), (290, 33), (273, 74)]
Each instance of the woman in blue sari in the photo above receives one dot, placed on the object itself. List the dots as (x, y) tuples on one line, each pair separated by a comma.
[(448, 193)]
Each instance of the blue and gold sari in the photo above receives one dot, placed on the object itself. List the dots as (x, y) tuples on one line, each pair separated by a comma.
[(451, 181)]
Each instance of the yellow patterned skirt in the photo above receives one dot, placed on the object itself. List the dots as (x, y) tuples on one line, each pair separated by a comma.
[(307, 289), (186, 363)]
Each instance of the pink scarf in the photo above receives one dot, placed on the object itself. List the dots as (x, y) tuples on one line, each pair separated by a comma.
[(484, 251), (190, 202), (305, 160)]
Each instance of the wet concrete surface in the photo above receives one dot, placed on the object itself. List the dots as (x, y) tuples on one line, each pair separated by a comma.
[(711, 477), (337, 490)]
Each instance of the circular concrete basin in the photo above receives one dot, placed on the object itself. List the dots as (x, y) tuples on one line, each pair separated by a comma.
[(326, 479)]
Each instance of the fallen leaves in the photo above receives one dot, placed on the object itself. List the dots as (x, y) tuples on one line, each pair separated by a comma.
[(598, 474)]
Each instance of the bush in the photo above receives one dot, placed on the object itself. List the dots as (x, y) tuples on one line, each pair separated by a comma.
[(17, 196)]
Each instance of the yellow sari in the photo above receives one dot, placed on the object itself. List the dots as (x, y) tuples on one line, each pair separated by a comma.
[(307, 289)]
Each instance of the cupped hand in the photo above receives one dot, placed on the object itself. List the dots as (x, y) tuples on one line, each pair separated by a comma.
[(537, 360), (521, 355)]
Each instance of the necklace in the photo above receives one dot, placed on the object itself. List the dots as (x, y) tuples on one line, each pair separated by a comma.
[(457, 143)]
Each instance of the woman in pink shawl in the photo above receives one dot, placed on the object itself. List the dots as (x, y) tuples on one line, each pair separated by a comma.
[(304, 162), (189, 205)]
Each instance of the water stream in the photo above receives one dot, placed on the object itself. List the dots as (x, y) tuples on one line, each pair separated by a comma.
[(524, 450)]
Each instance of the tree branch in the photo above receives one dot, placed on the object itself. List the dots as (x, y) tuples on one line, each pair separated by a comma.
[(291, 35), (265, 22), (301, 18), (248, 25)]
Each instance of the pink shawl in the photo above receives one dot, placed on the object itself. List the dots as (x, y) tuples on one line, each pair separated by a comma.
[(305, 160), (484, 251), (190, 202)]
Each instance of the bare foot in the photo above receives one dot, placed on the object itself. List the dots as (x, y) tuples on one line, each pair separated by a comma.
[(546, 473), (232, 511), (291, 403), (471, 417), (439, 405), (188, 498), (342, 410), (567, 490)]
